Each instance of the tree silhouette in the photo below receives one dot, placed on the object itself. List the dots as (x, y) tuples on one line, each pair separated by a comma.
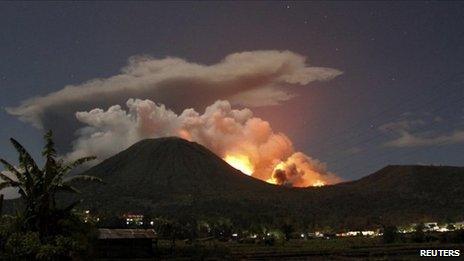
[(390, 234), (38, 186)]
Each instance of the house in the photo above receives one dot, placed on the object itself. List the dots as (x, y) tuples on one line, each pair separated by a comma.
[(431, 226), (135, 219), (125, 243), (459, 225)]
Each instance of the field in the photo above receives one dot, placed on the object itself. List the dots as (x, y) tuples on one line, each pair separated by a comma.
[(315, 249)]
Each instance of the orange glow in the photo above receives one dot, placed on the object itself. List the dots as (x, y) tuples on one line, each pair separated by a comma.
[(272, 181), (280, 166), (305, 183), (241, 163), (244, 164)]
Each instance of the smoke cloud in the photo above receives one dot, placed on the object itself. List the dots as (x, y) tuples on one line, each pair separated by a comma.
[(300, 170), (225, 131), (255, 78), (408, 133)]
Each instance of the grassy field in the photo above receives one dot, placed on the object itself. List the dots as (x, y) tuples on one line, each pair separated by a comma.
[(316, 249)]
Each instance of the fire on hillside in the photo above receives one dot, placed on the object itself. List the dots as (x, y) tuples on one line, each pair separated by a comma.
[(292, 172)]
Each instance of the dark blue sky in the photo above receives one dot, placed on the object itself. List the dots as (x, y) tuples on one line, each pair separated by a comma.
[(402, 65)]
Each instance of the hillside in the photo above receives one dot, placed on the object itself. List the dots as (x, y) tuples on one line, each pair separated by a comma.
[(174, 177), (398, 194), (167, 175)]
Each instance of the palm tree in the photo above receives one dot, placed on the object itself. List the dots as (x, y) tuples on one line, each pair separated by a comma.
[(38, 186)]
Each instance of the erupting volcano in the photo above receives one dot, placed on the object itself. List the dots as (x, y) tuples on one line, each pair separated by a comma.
[(246, 142), (241, 163)]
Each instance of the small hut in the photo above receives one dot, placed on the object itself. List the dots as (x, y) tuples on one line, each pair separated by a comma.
[(125, 243)]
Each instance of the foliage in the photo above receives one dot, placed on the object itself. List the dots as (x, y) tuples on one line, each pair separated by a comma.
[(42, 230), (452, 237), (287, 229), (390, 234), (27, 245), (419, 235)]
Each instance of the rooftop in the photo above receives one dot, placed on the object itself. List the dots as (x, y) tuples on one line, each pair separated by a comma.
[(105, 233)]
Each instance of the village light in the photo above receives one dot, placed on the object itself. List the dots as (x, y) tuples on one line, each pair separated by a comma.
[(151, 223), (302, 235)]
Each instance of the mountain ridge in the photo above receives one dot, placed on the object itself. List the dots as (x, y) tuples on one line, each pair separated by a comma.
[(171, 177)]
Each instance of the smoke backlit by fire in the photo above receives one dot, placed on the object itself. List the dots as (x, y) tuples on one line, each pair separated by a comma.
[(241, 163), (246, 142)]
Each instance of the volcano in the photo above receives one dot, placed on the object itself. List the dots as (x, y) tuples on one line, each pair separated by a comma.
[(174, 177), (168, 174)]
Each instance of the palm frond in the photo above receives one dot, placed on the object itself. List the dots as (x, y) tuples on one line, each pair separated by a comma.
[(49, 152), (25, 158), (49, 148), (8, 184), (5, 177), (9, 167)]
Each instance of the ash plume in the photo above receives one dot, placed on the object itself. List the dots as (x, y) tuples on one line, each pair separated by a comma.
[(254, 78), (222, 129)]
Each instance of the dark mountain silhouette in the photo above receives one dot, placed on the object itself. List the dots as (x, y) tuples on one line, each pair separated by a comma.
[(173, 177), (166, 175), (398, 194)]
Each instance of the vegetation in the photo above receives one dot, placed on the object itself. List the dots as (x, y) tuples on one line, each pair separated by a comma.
[(419, 235), (390, 234), (42, 229)]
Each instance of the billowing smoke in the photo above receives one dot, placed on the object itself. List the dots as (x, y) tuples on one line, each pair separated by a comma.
[(246, 142), (300, 170), (254, 78)]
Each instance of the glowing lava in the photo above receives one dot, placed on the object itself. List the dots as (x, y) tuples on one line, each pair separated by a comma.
[(244, 164), (272, 181), (241, 163), (318, 183)]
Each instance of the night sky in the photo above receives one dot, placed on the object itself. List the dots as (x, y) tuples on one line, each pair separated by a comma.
[(398, 101)]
